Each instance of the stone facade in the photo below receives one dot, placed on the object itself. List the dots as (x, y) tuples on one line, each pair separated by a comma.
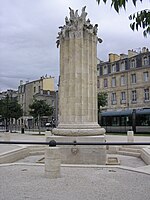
[(41, 89), (126, 79), (37, 88)]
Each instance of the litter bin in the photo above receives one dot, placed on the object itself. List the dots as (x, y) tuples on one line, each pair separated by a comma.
[(22, 130)]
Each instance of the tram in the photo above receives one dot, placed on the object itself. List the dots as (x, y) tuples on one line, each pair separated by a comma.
[(137, 120)]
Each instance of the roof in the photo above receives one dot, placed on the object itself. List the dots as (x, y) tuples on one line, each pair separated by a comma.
[(125, 112)]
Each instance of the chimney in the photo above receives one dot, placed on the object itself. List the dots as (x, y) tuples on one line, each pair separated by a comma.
[(21, 82)]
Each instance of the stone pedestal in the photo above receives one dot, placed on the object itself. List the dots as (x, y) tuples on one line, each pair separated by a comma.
[(81, 154)]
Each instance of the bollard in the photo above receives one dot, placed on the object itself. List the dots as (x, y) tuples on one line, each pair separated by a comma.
[(130, 136), (52, 162), (7, 136), (48, 133)]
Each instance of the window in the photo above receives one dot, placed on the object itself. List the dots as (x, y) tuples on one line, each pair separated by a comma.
[(113, 83), (113, 68), (134, 96), (145, 60), (132, 63), (105, 70), (123, 80), (115, 121), (122, 66), (145, 75), (98, 83), (39, 88), (105, 83), (98, 70), (146, 94), (113, 98), (133, 78), (48, 92), (52, 102), (123, 96), (34, 89)]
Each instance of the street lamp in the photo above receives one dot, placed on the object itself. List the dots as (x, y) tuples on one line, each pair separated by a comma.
[(134, 120), (7, 97)]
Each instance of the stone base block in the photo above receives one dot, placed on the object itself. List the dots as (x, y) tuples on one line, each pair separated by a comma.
[(78, 131), (83, 154)]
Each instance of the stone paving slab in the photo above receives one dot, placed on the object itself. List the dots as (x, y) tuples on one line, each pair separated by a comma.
[(21, 182), (6, 148)]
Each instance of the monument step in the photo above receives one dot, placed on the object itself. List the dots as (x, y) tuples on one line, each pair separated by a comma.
[(127, 153), (130, 149)]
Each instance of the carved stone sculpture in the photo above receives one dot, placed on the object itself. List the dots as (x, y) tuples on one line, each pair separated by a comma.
[(76, 22)]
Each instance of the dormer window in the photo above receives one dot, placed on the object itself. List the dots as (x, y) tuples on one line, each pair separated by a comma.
[(105, 70), (145, 60), (113, 68), (132, 63), (122, 66)]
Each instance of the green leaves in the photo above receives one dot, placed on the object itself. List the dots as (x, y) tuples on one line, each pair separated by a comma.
[(40, 108), (102, 100), (117, 4), (9, 108), (141, 20)]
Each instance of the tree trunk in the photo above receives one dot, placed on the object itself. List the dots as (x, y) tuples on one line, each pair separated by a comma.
[(11, 125), (39, 124)]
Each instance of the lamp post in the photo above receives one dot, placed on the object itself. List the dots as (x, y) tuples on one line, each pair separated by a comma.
[(7, 97), (134, 120)]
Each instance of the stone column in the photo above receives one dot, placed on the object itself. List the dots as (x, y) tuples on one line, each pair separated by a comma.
[(78, 78)]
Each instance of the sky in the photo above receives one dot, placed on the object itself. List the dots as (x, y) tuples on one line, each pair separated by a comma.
[(28, 31)]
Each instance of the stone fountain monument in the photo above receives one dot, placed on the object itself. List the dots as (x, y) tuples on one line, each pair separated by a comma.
[(77, 40)]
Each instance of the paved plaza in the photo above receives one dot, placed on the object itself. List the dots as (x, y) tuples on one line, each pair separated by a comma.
[(25, 178)]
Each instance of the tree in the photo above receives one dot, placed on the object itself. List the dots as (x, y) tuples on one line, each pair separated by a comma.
[(102, 101), (140, 19), (38, 109), (9, 109)]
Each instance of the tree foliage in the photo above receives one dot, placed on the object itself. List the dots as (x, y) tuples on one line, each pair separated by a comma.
[(9, 108), (102, 100), (40, 108), (140, 19)]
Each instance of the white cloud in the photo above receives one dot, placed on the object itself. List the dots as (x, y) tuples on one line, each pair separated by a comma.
[(28, 31)]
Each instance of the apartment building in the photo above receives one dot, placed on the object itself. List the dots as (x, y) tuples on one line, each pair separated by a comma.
[(126, 79), (10, 93), (40, 89)]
